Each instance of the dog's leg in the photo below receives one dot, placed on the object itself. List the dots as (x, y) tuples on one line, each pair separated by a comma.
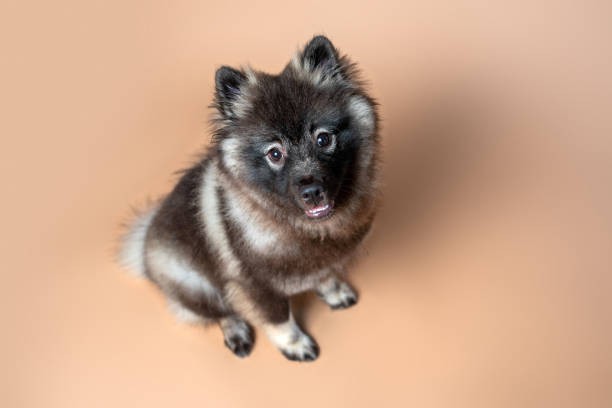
[(336, 293), (291, 340), (237, 334), (272, 313)]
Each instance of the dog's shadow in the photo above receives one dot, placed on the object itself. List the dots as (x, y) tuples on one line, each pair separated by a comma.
[(428, 154), (428, 159)]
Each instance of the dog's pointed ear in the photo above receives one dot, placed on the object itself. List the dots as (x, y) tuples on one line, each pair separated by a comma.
[(320, 54), (229, 87)]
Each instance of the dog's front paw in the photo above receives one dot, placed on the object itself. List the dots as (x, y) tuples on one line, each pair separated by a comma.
[(237, 336), (240, 346), (303, 348), (340, 297)]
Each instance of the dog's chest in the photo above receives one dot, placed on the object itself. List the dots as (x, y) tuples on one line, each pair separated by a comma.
[(268, 249)]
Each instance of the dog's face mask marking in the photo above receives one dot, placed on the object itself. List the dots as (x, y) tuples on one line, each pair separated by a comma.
[(303, 137)]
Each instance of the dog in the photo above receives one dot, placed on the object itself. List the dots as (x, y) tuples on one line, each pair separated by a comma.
[(278, 205)]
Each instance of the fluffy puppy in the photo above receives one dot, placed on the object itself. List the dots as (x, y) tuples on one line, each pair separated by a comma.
[(278, 205)]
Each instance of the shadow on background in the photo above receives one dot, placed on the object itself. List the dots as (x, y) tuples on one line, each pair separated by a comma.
[(431, 155)]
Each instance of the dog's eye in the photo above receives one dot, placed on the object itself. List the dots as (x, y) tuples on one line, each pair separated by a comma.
[(275, 155), (324, 139)]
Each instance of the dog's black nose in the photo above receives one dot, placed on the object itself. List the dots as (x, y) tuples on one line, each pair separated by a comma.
[(312, 194)]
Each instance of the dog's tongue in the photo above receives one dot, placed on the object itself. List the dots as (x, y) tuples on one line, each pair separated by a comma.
[(318, 212)]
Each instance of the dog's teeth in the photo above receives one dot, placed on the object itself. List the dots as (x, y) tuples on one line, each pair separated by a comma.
[(318, 210)]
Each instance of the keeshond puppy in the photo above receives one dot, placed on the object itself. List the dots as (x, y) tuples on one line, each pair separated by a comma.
[(278, 206)]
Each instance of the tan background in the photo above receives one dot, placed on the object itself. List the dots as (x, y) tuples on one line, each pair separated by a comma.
[(487, 282)]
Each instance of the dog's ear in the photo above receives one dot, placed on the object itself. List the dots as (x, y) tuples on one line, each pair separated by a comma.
[(229, 88), (320, 55)]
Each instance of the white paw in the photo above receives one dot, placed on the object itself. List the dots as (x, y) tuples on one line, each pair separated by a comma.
[(340, 297), (303, 348), (292, 341)]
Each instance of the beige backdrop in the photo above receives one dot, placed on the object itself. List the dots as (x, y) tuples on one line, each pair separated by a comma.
[(487, 282)]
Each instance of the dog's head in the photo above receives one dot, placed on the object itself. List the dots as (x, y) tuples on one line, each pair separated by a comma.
[(305, 140)]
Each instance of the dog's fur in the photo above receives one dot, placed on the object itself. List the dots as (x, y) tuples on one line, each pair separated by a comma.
[(240, 233)]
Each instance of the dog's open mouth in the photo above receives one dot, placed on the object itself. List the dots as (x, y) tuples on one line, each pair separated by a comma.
[(320, 212)]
